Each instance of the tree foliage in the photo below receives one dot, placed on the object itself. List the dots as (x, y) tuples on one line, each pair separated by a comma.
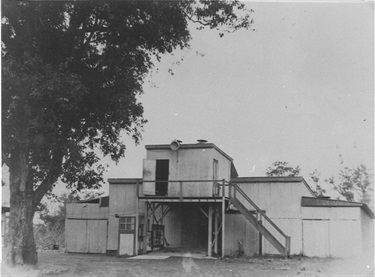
[(279, 168), (71, 75), (354, 184), (319, 190)]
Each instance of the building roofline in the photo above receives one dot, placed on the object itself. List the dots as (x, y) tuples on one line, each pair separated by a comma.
[(324, 202), (94, 200), (124, 181), (189, 146), (267, 179)]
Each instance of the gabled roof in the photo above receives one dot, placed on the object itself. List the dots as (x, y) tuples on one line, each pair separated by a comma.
[(325, 202), (189, 146), (289, 179)]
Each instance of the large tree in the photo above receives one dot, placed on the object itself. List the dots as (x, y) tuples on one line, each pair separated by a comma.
[(71, 74)]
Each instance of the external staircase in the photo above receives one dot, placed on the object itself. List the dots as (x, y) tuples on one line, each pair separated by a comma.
[(255, 219)]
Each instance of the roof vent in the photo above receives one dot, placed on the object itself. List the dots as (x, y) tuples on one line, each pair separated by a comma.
[(202, 141), (175, 145)]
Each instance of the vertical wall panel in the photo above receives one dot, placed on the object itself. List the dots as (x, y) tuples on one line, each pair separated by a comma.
[(237, 228), (316, 239), (86, 210), (126, 244), (86, 236), (76, 236), (97, 236), (345, 238), (291, 227), (367, 230), (113, 231)]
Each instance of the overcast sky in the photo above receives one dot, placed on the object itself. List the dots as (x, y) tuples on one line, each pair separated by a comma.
[(300, 88)]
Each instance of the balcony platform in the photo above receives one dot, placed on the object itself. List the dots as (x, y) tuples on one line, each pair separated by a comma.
[(179, 199)]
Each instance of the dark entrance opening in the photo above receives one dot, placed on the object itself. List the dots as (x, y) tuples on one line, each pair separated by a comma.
[(194, 227), (162, 175)]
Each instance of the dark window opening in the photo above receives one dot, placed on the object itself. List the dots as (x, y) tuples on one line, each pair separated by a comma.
[(104, 201), (162, 175), (127, 224)]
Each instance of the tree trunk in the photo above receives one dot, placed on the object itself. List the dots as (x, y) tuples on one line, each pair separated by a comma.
[(22, 244)]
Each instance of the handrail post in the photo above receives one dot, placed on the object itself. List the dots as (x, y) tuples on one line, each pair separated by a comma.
[(230, 190), (287, 246), (223, 187)]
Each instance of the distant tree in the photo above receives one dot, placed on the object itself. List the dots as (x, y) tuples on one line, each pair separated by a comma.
[(52, 231), (71, 75), (282, 169), (354, 184), (315, 177)]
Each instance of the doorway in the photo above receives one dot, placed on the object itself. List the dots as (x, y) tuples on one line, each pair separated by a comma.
[(162, 176), (127, 242)]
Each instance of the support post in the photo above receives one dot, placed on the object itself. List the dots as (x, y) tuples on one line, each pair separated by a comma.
[(260, 236), (216, 228), (136, 221), (287, 246), (181, 192), (223, 222), (210, 230), (145, 229)]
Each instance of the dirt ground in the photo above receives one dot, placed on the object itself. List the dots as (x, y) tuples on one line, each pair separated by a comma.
[(58, 263)]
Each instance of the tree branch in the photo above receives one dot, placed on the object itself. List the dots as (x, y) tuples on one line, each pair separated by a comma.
[(5, 159), (88, 41), (194, 20), (51, 178)]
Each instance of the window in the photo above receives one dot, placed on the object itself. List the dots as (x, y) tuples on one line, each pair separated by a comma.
[(127, 223)]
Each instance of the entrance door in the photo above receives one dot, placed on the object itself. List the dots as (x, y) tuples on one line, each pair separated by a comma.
[(127, 236), (162, 175), (86, 235)]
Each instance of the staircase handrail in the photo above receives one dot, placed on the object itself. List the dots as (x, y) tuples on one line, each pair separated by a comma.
[(244, 195)]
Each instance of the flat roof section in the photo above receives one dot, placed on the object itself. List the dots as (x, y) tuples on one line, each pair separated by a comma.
[(189, 146), (324, 202), (288, 179)]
